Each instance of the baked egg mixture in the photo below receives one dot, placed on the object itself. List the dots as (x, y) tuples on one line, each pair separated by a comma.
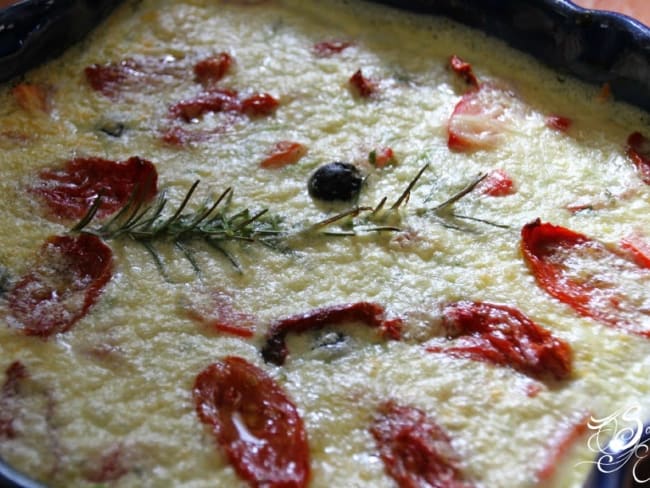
[(287, 243)]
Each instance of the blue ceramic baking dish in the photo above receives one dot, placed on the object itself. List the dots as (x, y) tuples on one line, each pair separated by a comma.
[(597, 47)]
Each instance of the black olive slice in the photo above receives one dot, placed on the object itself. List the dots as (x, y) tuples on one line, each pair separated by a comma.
[(335, 181)]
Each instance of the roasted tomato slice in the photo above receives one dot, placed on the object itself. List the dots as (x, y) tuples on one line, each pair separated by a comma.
[(210, 70), (481, 119), (638, 150), (70, 191), (254, 422), (284, 153), (503, 335), (371, 314), (595, 280), (416, 451), (63, 286)]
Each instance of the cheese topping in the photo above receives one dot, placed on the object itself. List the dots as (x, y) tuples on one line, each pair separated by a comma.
[(256, 96)]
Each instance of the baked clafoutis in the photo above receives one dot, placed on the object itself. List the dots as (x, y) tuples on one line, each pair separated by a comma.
[(283, 244)]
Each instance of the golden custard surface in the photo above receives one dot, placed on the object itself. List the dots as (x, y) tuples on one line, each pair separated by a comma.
[(121, 378)]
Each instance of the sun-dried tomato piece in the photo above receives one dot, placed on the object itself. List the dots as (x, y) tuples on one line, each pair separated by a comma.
[(254, 422), (70, 191), (32, 98), (416, 451), (504, 336), (141, 74), (63, 286), (371, 314), (638, 151), (109, 78), (15, 373), (481, 119), (464, 70), (559, 122), (325, 49), (284, 153), (217, 100), (259, 104), (362, 86), (595, 280), (210, 70), (497, 184)]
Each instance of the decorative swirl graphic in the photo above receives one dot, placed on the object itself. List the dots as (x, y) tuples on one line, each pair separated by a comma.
[(618, 438)]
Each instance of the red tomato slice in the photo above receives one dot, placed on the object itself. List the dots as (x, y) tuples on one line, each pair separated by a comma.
[(593, 279), (210, 70), (416, 451), (497, 184), (638, 151), (371, 314), (503, 335), (69, 192), (254, 422), (63, 286), (283, 154), (480, 119)]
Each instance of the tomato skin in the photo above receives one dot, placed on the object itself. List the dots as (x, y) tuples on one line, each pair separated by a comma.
[(223, 100), (416, 451), (503, 335), (464, 70), (259, 104), (284, 153), (542, 245), (497, 184), (109, 78), (361, 85), (63, 287), (638, 247), (559, 122), (254, 422), (371, 314), (70, 191), (326, 49), (210, 70), (638, 151)]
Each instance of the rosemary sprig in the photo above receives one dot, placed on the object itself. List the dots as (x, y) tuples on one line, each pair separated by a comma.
[(211, 223)]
